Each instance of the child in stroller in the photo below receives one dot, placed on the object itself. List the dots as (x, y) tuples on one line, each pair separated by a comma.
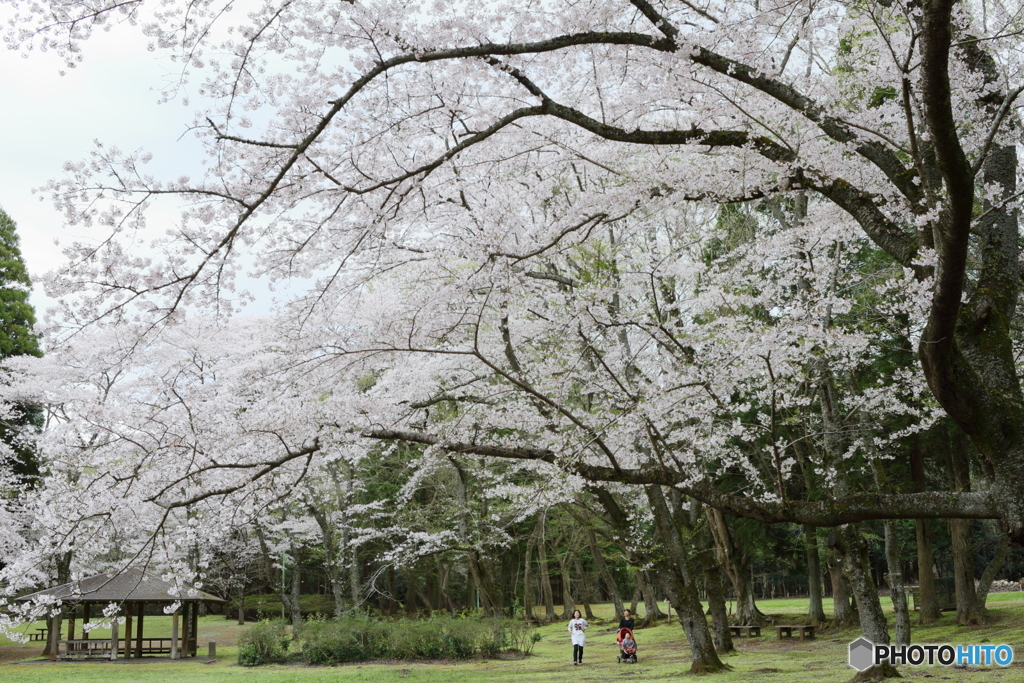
[(627, 646)]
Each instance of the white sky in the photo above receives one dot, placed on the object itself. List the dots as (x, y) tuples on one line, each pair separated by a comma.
[(47, 119)]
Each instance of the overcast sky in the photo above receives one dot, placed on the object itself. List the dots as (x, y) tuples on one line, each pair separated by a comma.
[(47, 119)]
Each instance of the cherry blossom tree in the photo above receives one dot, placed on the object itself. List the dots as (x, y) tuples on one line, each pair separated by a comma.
[(497, 226)]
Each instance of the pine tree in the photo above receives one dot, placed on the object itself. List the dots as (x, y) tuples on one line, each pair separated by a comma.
[(17, 318)]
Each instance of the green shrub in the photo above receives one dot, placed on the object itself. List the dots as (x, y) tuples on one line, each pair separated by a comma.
[(263, 643), (359, 638)]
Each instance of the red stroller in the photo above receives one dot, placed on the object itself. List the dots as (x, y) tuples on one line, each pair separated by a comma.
[(627, 646)]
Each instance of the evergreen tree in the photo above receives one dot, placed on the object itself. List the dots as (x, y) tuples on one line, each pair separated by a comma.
[(17, 318)]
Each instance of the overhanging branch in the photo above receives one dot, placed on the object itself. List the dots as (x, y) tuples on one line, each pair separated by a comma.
[(856, 508)]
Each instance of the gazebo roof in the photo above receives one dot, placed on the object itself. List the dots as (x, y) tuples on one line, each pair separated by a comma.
[(130, 584)]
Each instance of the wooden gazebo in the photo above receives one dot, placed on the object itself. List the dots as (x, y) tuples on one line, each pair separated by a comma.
[(132, 590)]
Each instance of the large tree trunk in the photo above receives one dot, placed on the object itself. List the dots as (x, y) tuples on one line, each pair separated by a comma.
[(844, 614), (737, 564), (53, 623), (853, 549), (816, 609), (966, 348), (993, 567), (682, 589), (716, 600)]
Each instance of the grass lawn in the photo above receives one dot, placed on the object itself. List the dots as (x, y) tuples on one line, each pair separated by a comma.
[(663, 657)]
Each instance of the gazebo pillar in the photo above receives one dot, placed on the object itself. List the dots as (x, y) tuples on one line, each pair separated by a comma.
[(174, 635), (186, 623), (194, 631), (140, 607), (127, 630)]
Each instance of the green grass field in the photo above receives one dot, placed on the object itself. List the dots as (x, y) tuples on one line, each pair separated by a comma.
[(663, 657)]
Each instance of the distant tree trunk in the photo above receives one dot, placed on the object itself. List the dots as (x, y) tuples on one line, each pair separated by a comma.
[(652, 612), (584, 585), (816, 609), (332, 561), (241, 605), (926, 602), (606, 575), (545, 574), (636, 597), (568, 604), (993, 567), (894, 574), (294, 605), (444, 571), (895, 580), (388, 603), (528, 573), (410, 592), (354, 578), (476, 575)]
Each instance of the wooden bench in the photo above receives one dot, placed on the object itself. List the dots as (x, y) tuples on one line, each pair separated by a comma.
[(802, 631), (748, 631), (93, 648)]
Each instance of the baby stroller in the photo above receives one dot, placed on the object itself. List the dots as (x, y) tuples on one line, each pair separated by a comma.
[(627, 646)]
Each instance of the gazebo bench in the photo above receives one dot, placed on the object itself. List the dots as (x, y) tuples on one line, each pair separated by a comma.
[(748, 631), (151, 646), (802, 631)]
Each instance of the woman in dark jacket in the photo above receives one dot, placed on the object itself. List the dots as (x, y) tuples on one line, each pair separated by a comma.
[(627, 620)]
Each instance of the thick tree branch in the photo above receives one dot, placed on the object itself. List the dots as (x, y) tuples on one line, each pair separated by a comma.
[(855, 508)]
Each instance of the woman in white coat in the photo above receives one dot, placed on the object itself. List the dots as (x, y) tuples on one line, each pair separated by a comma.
[(578, 632)]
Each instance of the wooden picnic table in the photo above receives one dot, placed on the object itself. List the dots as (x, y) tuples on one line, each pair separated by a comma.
[(802, 631), (748, 631), (40, 634)]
